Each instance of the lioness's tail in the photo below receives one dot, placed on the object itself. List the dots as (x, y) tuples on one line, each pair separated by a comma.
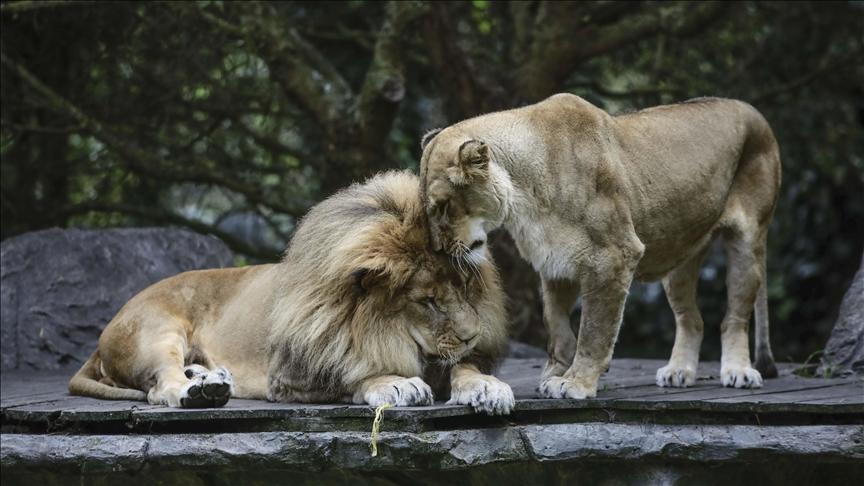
[(86, 383), (764, 359)]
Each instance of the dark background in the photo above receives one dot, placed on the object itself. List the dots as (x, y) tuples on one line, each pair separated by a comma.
[(235, 118)]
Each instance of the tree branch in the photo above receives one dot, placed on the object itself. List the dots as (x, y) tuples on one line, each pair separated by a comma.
[(302, 72), (30, 5), (632, 93), (563, 42), (42, 129), (466, 95), (384, 86), (134, 158), (806, 79)]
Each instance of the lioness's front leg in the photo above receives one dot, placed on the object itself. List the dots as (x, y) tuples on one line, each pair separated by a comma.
[(395, 390), (602, 310), (559, 297), (485, 393)]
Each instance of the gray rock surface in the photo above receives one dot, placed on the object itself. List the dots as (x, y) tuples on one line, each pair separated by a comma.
[(440, 450), (518, 350), (844, 353), (61, 287)]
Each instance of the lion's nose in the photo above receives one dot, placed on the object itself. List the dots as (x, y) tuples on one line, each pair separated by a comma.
[(466, 340), (436, 241)]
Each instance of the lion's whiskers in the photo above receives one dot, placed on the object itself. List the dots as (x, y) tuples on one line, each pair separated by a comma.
[(475, 268)]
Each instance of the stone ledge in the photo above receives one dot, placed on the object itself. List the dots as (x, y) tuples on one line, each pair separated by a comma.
[(440, 451)]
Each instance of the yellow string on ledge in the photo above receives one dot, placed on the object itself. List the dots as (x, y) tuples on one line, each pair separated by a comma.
[(376, 427)]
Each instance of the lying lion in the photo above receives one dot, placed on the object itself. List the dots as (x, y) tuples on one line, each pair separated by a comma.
[(594, 200), (358, 310)]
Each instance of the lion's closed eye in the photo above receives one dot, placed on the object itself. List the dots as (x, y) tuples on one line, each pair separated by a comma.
[(433, 305)]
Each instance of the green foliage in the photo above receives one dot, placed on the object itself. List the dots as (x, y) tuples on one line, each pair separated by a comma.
[(188, 113)]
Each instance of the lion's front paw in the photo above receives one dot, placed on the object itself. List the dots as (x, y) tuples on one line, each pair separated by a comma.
[(484, 393), (560, 387), (403, 392), (740, 377), (676, 376), (206, 388)]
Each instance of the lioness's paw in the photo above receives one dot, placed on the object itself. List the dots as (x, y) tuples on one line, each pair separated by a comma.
[(674, 376), (560, 387), (484, 393), (404, 392), (206, 389), (740, 377), (553, 368)]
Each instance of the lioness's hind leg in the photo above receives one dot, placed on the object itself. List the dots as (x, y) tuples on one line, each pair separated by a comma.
[(680, 286), (743, 279)]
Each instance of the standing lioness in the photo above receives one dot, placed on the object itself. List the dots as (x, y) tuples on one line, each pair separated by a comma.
[(594, 200), (358, 310)]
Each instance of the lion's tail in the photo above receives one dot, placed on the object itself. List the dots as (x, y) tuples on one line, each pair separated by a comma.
[(764, 359), (86, 383)]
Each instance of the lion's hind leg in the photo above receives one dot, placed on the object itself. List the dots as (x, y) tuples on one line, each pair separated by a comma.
[(680, 287), (206, 388), (179, 385)]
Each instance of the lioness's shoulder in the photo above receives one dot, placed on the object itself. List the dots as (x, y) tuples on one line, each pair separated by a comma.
[(564, 110), (568, 101)]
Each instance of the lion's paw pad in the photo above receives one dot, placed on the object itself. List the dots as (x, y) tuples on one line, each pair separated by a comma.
[(560, 387), (208, 389), (404, 392), (740, 377), (674, 376), (488, 394)]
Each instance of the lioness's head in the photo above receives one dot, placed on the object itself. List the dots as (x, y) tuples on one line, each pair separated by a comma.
[(368, 288), (461, 201)]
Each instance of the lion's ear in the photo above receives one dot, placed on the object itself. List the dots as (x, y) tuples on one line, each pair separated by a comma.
[(365, 279), (428, 137), (473, 154)]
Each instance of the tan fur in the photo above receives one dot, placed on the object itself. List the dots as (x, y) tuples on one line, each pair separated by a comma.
[(357, 310), (593, 201)]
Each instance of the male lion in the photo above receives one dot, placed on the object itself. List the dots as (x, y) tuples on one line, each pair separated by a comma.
[(594, 200), (358, 310)]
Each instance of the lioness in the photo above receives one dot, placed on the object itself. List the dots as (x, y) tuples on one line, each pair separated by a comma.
[(594, 200), (358, 310)]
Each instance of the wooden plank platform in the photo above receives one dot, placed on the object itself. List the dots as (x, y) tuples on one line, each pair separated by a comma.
[(38, 402), (795, 430)]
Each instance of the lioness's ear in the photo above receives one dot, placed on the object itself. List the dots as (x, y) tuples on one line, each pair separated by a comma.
[(472, 164), (428, 137), (473, 154)]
